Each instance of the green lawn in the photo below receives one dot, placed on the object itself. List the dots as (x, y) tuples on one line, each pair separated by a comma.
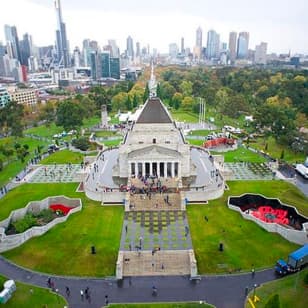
[(162, 305), (274, 149), (44, 131), (63, 157), (291, 290), (15, 166), (201, 132), (112, 143), (195, 142), (241, 154), (106, 133), (65, 249), (28, 296), (244, 241), (184, 116)]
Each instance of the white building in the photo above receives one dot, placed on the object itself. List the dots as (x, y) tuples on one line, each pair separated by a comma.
[(24, 96)]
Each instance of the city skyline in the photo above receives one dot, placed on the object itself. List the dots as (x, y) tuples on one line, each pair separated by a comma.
[(145, 22)]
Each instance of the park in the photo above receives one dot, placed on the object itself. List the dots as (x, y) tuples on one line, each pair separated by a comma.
[(100, 240)]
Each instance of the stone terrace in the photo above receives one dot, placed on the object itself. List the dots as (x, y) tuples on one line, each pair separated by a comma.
[(156, 202), (161, 263)]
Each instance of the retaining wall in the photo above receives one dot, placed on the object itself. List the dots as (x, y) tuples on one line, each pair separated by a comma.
[(299, 237), (8, 242)]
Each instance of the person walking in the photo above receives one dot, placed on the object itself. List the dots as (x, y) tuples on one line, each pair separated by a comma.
[(81, 294), (67, 291)]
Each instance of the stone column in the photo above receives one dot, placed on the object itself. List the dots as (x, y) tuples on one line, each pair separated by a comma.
[(158, 169), (172, 169), (165, 170), (151, 168), (143, 169)]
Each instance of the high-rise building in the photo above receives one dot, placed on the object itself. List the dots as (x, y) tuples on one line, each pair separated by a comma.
[(63, 58), (12, 42), (115, 68), (76, 57), (199, 38), (115, 49), (182, 46), (232, 46), (212, 46), (260, 54), (242, 45), (173, 50), (25, 49), (138, 49), (130, 48), (105, 64)]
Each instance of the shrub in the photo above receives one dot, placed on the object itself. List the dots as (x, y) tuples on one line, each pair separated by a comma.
[(46, 215), (25, 223), (81, 143), (273, 302)]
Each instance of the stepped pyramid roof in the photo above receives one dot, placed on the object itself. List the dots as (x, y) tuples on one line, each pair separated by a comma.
[(154, 112)]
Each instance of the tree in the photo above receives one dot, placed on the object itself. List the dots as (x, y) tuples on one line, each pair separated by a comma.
[(146, 93), (187, 103), (48, 113), (177, 100), (186, 88), (69, 115), (100, 97), (128, 103), (118, 102)]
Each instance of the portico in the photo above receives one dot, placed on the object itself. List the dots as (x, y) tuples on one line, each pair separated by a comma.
[(146, 168)]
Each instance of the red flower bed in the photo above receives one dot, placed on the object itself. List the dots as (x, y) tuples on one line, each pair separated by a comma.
[(270, 215), (60, 207)]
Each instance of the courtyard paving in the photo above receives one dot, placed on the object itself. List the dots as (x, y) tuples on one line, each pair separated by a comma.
[(249, 171), (55, 173), (165, 230)]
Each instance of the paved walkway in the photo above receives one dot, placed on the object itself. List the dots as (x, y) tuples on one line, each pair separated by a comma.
[(222, 291)]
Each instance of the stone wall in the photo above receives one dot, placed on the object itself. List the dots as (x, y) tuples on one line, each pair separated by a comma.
[(8, 242), (299, 237), (207, 194)]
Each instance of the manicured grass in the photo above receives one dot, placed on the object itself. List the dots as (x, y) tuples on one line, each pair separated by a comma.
[(15, 166), (112, 143), (28, 296), (45, 131), (184, 116), (66, 248), (63, 157), (274, 149), (195, 142), (241, 154), (162, 305), (106, 133), (291, 290), (201, 132), (246, 244)]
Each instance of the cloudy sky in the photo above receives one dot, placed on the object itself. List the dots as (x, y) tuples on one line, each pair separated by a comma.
[(283, 24)]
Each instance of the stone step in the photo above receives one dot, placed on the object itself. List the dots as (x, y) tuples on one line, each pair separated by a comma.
[(161, 263)]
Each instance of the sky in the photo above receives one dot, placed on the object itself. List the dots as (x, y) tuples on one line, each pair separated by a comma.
[(283, 24)]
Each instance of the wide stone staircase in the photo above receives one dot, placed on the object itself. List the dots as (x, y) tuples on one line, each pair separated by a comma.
[(163, 262), (155, 202)]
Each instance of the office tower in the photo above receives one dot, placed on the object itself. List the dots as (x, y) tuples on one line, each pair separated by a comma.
[(212, 46), (115, 49), (260, 54), (137, 49), (242, 45), (105, 64), (25, 49), (61, 39), (182, 46), (115, 68), (173, 50), (12, 42), (76, 57), (2, 53), (199, 38), (130, 48), (232, 46)]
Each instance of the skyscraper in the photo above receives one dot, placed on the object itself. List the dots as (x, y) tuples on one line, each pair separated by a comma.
[(260, 54), (212, 46), (182, 46), (199, 38), (61, 39), (232, 46), (12, 42), (130, 48), (25, 49), (242, 45)]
